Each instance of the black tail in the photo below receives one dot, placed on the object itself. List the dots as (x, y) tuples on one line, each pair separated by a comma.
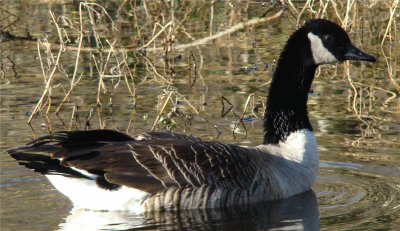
[(43, 164), (47, 153), (70, 138)]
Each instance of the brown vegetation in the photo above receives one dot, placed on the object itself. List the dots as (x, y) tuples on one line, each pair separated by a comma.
[(164, 30)]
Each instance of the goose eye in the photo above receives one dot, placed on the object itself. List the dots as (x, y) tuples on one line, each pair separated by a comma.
[(328, 38)]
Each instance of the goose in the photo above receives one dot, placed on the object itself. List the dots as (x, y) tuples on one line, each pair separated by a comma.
[(158, 171)]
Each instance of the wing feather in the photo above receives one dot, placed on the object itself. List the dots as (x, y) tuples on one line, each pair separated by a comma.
[(151, 161)]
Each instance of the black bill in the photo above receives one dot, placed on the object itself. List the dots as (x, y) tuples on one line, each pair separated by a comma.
[(353, 53)]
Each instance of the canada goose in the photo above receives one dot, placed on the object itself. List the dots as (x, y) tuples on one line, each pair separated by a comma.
[(109, 170)]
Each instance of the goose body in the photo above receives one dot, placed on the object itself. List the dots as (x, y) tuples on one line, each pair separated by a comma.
[(109, 170)]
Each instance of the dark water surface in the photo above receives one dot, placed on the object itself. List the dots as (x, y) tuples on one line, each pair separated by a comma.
[(356, 119)]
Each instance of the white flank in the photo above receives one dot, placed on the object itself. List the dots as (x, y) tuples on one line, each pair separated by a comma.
[(85, 194), (320, 54)]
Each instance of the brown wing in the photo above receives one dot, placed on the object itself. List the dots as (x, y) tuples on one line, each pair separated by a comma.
[(150, 163), (190, 163)]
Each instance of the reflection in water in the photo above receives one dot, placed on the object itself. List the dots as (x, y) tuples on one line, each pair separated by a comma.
[(295, 213)]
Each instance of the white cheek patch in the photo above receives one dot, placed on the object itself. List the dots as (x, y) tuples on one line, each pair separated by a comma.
[(320, 54)]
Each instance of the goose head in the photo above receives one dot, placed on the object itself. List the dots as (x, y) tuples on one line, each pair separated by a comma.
[(318, 42), (329, 43)]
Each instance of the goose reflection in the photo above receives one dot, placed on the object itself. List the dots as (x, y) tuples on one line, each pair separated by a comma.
[(299, 212)]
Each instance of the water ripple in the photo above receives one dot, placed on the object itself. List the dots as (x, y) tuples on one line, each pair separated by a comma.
[(356, 196)]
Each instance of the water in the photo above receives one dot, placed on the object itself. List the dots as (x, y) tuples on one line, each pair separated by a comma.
[(357, 128)]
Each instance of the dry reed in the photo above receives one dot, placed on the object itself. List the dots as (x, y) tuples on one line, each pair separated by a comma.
[(159, 32)]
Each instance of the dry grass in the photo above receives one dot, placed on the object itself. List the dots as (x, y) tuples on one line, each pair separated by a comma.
[(160, 29)]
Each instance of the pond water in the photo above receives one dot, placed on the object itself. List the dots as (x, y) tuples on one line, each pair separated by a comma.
[(354, 108)]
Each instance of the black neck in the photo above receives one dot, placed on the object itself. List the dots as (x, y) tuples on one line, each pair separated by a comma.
[(286, 110)]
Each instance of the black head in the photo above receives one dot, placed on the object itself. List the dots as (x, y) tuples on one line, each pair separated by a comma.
[(329, 43)]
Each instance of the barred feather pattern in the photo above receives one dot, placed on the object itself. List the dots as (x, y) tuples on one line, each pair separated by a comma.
[(258, 178), (211, 174), (196, 164)]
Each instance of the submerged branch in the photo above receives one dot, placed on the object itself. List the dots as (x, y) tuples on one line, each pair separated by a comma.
[(231, 30), (197, 42)]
